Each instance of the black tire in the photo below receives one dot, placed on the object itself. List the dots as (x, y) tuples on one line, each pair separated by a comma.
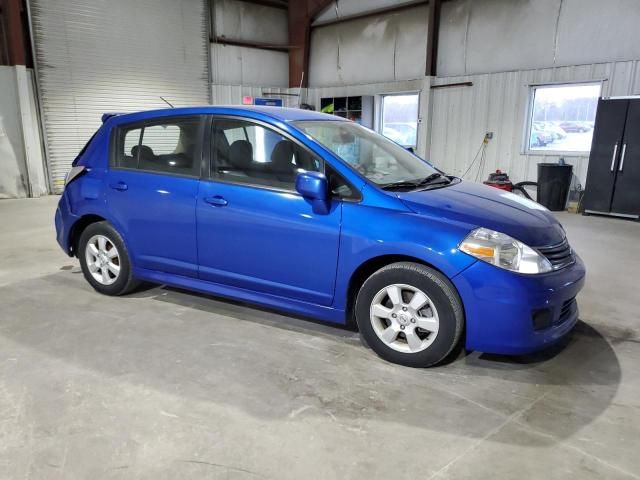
[(124, 282), (443, 296)]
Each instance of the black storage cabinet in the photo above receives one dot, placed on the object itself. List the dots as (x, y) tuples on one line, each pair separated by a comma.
[(613, 177)]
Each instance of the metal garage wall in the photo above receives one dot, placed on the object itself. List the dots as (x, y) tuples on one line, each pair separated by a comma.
[(497, 102), (248, 22), (95, 56), (535, 34), (386, 48)]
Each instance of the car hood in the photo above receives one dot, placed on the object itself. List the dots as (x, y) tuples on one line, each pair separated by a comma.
[(474, 205)]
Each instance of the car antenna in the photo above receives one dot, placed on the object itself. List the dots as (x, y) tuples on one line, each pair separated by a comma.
[(166, 101), (300, 89)]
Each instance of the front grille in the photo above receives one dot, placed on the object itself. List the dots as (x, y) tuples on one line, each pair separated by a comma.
[(560, 255), (567, 310)]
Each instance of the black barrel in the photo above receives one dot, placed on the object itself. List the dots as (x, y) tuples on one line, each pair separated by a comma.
[(554, 181)]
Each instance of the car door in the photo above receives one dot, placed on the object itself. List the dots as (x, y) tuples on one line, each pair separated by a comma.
[(254, 230), (152, 188)]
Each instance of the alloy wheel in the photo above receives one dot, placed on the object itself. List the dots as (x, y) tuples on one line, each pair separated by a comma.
[(103, 259), (404, 318)]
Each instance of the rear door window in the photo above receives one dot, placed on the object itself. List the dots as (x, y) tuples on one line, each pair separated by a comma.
[(171, 145)]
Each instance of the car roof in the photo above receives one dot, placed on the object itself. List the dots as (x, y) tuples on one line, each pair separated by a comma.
[(276, 113)]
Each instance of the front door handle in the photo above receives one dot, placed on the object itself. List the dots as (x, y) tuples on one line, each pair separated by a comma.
[(216, 201), (120, 186)]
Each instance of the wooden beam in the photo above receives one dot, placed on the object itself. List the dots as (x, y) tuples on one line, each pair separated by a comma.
[(258, 45), (14, 32), (270, 3), (452, 85), (301, 14), (433, 28)]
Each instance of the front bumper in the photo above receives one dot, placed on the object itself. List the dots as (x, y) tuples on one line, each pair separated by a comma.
[(499, 307)]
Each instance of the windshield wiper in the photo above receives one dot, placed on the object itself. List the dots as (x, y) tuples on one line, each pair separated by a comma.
[(401, 184), (429, 180)]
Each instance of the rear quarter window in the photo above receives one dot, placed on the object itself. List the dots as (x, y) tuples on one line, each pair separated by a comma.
[(170, 145)]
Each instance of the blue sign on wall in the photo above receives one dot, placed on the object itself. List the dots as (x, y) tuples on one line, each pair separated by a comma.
[(269, 102)]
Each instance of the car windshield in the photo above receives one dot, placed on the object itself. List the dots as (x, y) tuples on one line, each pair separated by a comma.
[(377, 158)]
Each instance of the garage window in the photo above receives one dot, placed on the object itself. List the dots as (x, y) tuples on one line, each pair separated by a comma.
[(561, 118), (399, 119)]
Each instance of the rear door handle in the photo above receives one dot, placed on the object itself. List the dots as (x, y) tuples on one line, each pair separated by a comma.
[(120, 186), (216, 201)]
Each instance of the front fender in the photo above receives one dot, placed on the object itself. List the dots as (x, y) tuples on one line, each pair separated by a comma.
[(370, 231)]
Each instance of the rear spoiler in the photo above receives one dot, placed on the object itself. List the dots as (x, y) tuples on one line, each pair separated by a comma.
[(108, 115)]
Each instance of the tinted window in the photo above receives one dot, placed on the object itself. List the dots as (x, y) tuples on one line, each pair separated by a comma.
[(170, 146), (248, 153)]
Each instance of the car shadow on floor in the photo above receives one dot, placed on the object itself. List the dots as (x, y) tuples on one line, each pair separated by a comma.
[(584, 341), (222, 352), (244, 311)]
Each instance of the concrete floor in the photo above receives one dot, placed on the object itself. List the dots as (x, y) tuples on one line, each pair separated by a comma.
[(165, 384)]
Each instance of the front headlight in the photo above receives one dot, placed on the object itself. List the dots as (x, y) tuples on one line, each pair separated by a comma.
[(503, 251)]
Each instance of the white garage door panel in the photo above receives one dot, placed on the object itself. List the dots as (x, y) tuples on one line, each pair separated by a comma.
[(96, 56)]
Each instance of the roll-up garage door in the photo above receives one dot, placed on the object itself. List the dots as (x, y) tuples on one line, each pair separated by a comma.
[(96, 56)]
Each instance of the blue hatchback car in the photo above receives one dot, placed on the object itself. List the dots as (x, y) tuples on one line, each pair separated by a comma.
[(320, 217)]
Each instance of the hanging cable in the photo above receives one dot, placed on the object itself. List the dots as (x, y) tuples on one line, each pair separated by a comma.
[(481, 150), (481, 163), (473, 161)]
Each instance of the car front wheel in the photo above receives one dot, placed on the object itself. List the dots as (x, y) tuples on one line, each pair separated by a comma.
[(409, 314)]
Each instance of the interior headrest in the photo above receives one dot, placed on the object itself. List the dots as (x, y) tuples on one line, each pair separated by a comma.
[(281, 156), (241, 153), (145, 152)]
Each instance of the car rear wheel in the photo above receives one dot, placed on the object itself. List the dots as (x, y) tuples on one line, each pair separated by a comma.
[(409, 314), (105, 261)]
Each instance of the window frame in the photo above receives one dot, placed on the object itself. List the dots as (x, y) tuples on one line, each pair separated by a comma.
[(381, 116), (117, 140), (210, 159), (528, 119)]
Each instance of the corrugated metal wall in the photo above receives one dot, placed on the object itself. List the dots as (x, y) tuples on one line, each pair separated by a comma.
[(386, 48), (248, 22), (94, 56), (498, 103)]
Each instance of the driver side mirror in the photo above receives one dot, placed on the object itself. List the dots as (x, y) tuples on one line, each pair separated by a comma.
[(314, 187)]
